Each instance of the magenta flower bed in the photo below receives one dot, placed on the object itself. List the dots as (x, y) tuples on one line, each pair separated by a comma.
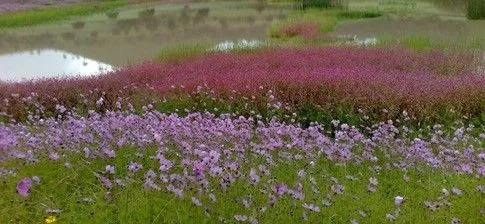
[(367, 78)]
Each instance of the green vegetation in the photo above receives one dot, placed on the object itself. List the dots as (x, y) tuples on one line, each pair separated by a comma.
[(424, 43), (418, 43), (476, 9), (322, 4), (70, 187), (327, 20), (46, 15), (84, 200), (184, 51)]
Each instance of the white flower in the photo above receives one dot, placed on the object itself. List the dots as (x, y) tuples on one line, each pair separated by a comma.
[(445, 192)]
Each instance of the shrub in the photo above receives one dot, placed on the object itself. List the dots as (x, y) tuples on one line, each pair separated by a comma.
[(306, 4), (476, 9), (359, 14), (305, 29)]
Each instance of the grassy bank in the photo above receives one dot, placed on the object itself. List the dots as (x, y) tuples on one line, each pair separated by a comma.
[(51, 14), (313, 24)]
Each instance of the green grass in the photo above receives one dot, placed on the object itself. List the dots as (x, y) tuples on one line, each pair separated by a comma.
[(182, 52), (424, 43), (419, 43), (51, 14), (64, 188)]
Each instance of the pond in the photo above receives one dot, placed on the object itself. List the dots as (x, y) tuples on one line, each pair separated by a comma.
[(451, 30), (436, 19), (131, 34), (47, 63)]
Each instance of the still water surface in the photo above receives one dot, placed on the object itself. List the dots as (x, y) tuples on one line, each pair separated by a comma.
[(47, 63), (133, 34)]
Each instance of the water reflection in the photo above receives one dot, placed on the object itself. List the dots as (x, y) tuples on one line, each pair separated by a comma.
[(237, 45), (135, 33), (47, 63)]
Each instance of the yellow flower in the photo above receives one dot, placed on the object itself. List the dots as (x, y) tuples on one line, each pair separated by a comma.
[(50, 219)]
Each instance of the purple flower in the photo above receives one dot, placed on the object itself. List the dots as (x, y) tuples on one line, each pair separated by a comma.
[(311, 207), (280, 189), (455, 220), (105, 181), (327, 201), (109, 153), (338, 189), (165, 164), (88, 200), (240, 218), (271, 200), (36, 180), (150, 174), (110, 169), (54, 156), (246, 203), (390, 217), (253, 220), (134, 167), (398, 200), (100, 102), (212, 197), (254, 176), (372, 187), (196, 201), (301, 173), (373, 181), (481, 189), (456, 191), (87, 152), (430, 205), (23, 187)]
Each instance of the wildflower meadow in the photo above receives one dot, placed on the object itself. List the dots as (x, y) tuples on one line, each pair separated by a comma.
[(279, 133)]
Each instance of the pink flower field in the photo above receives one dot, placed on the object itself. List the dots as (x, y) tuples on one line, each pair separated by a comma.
[(369, 79)]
